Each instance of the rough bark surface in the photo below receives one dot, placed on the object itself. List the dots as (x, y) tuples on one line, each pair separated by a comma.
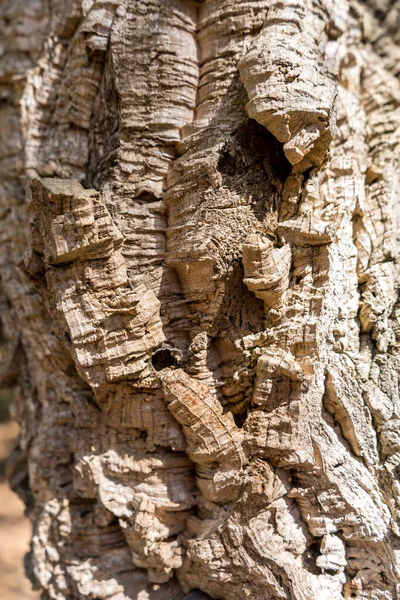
[(200, 295)]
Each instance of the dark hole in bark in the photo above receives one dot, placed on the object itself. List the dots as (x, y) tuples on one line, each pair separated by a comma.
[(240, 419), (259, 142), (226, 163), (196, 595), (310, 556), (164, 358), (146, 197)]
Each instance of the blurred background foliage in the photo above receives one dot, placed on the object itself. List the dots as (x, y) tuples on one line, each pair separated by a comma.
[(6, 397)]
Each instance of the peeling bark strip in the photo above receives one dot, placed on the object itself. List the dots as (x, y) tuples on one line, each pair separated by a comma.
[(214, 443), (200, 295), (287, 77)]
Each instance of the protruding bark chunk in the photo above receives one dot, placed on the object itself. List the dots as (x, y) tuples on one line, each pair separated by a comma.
[(266, 269)]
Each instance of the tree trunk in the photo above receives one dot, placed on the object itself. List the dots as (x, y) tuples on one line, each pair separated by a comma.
[(200, 295)]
